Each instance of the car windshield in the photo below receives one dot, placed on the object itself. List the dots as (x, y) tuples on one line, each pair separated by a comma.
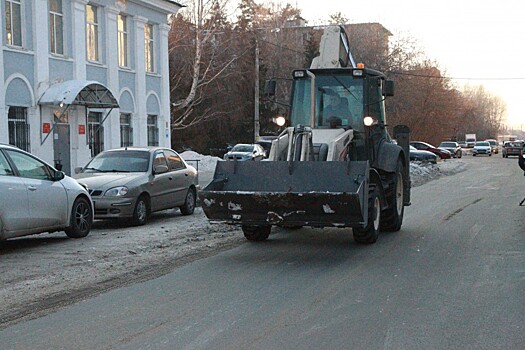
[(447, 144), (242, 148), (119, 161), (483, 143)]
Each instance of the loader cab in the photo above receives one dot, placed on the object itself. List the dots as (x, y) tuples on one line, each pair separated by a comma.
[(342, 98)]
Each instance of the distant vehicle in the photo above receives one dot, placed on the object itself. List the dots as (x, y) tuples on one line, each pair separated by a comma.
[(133, 182), (493, 145), (462, 144), (511, 148), (453, 147), (422, 156), (482, 147), (423, 146), (470, 139), (243, 152), (36, 198), (266, 143)]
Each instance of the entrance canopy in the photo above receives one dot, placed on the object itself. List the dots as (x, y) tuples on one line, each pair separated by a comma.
[(90, 94)]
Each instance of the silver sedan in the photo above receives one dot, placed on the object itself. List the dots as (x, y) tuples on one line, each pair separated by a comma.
[(133, 182), (36, 198)]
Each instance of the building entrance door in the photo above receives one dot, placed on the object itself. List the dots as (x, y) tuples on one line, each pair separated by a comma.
[(62, 144)]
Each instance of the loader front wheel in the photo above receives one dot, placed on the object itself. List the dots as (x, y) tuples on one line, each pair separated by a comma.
[(370, 232), (256, 233), (392, 216)]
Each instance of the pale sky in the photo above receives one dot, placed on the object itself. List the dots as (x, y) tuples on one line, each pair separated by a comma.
[(468, 39)]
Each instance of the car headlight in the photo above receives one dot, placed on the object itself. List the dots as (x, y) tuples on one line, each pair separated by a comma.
[(117, 191)]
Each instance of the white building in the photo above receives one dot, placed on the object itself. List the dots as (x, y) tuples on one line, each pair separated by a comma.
[(78, 77)]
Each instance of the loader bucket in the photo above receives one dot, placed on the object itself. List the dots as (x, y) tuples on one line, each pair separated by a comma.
[(284, 193)]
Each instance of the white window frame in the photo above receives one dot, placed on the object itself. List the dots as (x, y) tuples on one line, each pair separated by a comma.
[(149, 47), (10, 42), (123, 39), (153, 128), (93, 27), (53, 34), (18, 127), (126, 127)]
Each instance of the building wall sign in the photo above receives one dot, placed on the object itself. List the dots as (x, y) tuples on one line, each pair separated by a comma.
[(46, 128), (81, 129)]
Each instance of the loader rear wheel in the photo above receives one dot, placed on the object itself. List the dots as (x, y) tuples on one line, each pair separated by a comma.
[(256, 233), (392, 216), (369, 234)]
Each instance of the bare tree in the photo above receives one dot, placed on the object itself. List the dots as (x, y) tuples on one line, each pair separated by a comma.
[(200, 41)]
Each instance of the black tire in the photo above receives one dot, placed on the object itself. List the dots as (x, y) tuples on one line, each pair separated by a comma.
[(473, 154), (141, 212), (256, 233), (189, 204), (81, 219), (490, 154), (369, 234), (392, 215)]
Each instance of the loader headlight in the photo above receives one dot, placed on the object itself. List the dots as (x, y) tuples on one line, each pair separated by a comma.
[(368, 121), (299, 74)]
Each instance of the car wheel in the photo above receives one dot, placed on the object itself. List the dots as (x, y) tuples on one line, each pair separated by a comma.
[(141, 212), (256, 233), (369, 233), (490, 154), (189, 203), (81, 219)]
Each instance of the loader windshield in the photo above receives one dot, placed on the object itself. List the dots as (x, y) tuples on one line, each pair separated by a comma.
[(338, 102)]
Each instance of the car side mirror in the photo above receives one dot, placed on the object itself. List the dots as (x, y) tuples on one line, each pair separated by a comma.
[(58, 175), (160, 169), (78, 170)]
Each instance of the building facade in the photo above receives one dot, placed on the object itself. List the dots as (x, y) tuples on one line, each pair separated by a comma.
[(78, 77)]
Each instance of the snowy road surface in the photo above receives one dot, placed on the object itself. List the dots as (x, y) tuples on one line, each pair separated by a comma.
[(43, 272)]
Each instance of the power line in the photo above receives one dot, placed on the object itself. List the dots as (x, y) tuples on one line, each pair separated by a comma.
[(454, 78)]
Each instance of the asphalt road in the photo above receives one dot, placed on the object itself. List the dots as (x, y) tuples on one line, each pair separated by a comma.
[(452, 278)]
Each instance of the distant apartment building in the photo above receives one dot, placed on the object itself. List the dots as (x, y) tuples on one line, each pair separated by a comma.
[(78, 77)]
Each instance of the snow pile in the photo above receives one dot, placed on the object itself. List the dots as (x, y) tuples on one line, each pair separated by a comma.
[(420, 173), (205, 163)]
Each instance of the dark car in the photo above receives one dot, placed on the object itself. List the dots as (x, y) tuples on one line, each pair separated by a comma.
[(511, 148), (133, 182), (244, 152), (423, 146), (422, 156), (453, 147)]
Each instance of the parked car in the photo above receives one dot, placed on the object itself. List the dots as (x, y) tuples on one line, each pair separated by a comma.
[(494, 145), (482, 147), (36, 198), (511, 148), (423, 146), (244, 152), (133, 182), (453, 147), (422, 156)]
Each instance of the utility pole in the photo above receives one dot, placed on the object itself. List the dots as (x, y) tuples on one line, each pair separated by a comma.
[(257, 125)]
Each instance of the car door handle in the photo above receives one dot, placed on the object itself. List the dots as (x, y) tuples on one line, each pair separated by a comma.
[(31, 188), (170, 178)]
